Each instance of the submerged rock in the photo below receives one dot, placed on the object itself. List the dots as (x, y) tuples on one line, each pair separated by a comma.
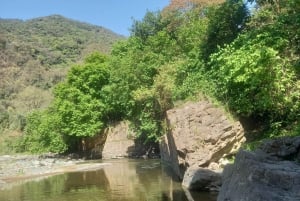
[(271, 173)]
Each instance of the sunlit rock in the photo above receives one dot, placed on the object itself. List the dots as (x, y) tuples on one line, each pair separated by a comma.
[(199, 135)]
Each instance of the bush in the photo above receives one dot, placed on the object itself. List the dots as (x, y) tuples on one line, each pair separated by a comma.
[(254, 80)]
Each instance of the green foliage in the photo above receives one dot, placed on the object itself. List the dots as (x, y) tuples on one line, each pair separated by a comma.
[(81, 113), (147, 117), (77, 110), (210, 52), (253, 80), (149, 26), (225, 23), (257, 74), (4, 119), (42, 133), (191, 34), (78, 99), (36, 55)]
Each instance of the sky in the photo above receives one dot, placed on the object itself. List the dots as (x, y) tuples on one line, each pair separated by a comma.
[(116, 15)]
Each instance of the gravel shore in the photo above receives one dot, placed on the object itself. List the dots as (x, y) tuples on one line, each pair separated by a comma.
[(14, 168)]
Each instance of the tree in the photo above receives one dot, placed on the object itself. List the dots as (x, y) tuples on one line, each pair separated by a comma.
[(186, 4), (149, 26), (43, 133), (78, 99), (253, 80), (225, 23), (77, 111)]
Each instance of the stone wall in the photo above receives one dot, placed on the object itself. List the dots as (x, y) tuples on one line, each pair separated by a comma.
[(199, 135)]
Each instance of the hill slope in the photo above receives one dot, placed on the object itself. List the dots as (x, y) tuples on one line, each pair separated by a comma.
[(35, 55)]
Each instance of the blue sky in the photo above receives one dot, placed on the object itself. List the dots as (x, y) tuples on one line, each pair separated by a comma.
[(115, 15)]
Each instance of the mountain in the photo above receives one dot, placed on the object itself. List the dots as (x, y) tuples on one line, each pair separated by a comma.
[(35, 55)]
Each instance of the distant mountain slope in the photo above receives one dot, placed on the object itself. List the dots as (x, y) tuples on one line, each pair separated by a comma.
[(53, 40), (35, 55)]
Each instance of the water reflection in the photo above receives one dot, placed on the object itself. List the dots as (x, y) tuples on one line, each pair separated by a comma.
[(123, 180)]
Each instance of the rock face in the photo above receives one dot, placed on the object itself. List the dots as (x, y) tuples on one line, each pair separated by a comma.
[(112, 142), (271, 173), (118, 141), (93, 146), (199, 134)]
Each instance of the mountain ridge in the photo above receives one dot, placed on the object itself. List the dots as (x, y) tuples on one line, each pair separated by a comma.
[(35, 55)]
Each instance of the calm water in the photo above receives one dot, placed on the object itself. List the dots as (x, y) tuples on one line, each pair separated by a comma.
[(120, 180)]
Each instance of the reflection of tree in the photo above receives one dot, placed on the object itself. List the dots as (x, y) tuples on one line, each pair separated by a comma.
[(149, 175), (45, 189), (90, 185), (157, 184), (79, 180)]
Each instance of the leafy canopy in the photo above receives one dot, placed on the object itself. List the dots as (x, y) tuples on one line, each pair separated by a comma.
[(248, 63)]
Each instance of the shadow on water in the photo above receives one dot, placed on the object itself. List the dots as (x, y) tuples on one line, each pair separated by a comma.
[(122, 180)]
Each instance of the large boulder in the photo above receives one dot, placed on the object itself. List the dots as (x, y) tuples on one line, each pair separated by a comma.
[(198, 135), (271, 173)]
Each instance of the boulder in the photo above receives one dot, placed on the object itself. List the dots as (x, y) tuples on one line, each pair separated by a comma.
[(201, 179), (271, 173), (283, 148), (198, 134)]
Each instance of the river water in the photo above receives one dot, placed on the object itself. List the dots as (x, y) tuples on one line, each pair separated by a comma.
[(118, 180)]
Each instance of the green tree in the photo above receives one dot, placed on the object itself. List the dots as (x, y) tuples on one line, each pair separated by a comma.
[(254, 80), (78, 99), (77, 111), (225, 23), (149, 26), (43, 133)]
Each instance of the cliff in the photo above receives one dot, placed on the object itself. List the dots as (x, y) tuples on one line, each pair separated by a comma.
[(199, 135)]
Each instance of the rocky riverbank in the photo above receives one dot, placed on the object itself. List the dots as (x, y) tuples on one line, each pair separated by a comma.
[(15, 168), (270, 173)]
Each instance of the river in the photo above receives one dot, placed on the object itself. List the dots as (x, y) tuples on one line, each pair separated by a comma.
[(118, 180)]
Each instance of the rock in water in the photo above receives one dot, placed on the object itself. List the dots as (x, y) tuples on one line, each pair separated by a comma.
[(201, 179)]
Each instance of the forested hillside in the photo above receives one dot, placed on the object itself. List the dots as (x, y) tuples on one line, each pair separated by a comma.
[(34, 56), (247, 62)]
